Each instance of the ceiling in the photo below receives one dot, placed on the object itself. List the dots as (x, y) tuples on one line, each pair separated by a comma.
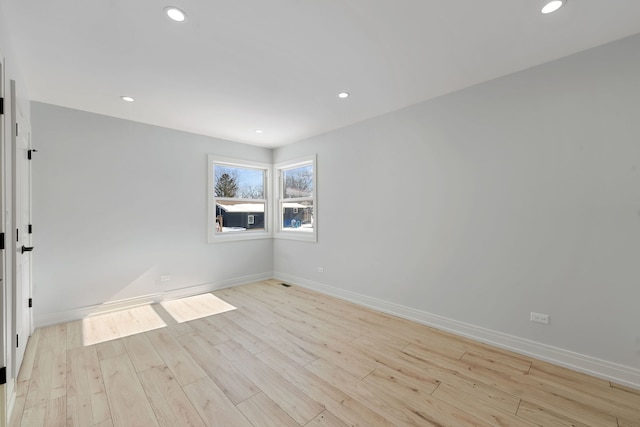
[(277, 65)]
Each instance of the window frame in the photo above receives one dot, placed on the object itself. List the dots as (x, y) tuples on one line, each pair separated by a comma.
[(281, 232), (212, 235)]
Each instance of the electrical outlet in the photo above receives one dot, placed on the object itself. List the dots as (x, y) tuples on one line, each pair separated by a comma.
[(540, 318), (320, 269), (165, 277)]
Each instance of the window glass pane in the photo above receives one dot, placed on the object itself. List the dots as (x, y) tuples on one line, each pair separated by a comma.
[(297, 215), (298, 182), (232, 215), (245, 183)]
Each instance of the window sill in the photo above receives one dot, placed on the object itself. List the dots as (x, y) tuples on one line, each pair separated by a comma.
[(239, 236)]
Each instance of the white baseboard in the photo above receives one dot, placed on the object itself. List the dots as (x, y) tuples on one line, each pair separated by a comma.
[(610, 371), (47, 319)]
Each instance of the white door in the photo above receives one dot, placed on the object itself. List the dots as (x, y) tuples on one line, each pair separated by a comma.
[(22, 254), (4, 308)]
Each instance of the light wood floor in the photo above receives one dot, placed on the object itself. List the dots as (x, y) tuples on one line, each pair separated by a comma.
[(292, 357)]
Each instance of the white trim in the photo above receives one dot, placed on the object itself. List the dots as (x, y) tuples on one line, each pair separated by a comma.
[(6, 401), (93, 310), (604, 369)]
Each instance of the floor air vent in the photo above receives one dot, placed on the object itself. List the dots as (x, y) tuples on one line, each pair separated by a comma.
[(285, 285)]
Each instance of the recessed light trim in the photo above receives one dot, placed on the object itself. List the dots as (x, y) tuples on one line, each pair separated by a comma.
[(175, 14), (552, 6), (343, 95), (259, 130), (127, 98)]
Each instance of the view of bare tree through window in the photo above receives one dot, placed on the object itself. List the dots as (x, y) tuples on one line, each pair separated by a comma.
[(298, 182), (239, 198)]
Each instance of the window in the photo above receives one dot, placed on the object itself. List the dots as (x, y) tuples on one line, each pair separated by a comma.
[(296, 199), (238, 199)]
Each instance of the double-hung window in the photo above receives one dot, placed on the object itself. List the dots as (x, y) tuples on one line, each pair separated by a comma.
[(296, 206), (238, 199)]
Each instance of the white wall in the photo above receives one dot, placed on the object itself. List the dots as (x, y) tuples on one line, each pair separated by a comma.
[(117, 204), (521, 194)]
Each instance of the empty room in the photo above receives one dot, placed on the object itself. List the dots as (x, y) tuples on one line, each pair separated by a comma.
[(320, 213)]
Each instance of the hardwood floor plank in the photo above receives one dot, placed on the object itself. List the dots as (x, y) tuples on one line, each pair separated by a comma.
[(627, 423), (625, 389), (34, 416), (55, 413), (235, 385), (29, 357), (213, 406), (176, 329), (286, 315), (292, 400), (326, 419), (323, 347), (276, 337), (127, 400), (472, 405), (497, 364), (49, 372), (263, 412), (412, 389), (18, 411), (336, 401), (240, 335), (518, 385), (208, 331), (602, 397), (185, 369), (75, 334), (544, 417), (248, 305), (87, 402), (170, 404), (98, 329), (398, 363), (423, 411), (142, 353), (110, 348)]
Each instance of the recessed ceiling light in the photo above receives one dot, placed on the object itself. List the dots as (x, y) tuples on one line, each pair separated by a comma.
[(552, 6), (258, 130), (343, 95), (175, 13), (127, 98)]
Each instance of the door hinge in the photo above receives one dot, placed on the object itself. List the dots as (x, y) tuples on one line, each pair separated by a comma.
[(17, 234), (3, 375), (17, 341), (30, 302), (1, 105), (30, 228), (29, 153), (16, 129), (1, 241)]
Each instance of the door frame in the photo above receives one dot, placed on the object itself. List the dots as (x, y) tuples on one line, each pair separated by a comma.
[(20, 128), (7, 393)]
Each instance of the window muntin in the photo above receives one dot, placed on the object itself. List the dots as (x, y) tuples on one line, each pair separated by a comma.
[(238, 204)]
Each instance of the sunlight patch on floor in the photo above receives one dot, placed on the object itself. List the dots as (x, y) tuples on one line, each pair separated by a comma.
[(119, 324), (196, 307)]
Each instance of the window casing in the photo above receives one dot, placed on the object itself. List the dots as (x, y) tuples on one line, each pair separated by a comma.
[(238, 207), (296, 206)]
